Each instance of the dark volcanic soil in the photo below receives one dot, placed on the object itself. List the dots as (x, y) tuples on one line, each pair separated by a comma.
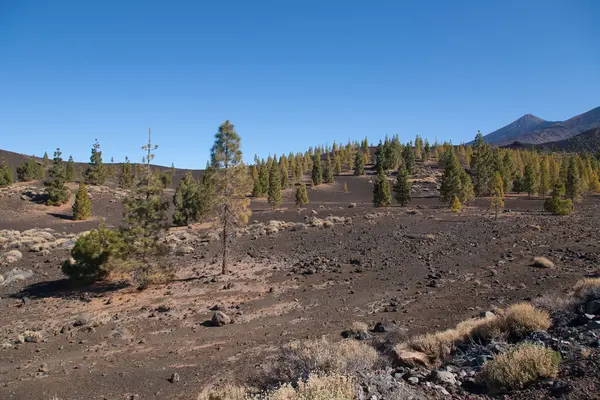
[(421, 269)]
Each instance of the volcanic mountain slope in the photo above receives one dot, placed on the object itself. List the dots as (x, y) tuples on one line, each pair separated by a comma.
[(531, 129), (588, 141)]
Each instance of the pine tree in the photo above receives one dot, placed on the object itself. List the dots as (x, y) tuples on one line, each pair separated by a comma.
[(337, 160), (481, 166), (328, 175), (408, 155), (402, 186), (317, 172), (70, 171), (29, 170), (451, 182), (382, 196), (187, 201), (274, 198), (497, 201), (45, 160), (126, 177), (518, 184), (301, 195), (573, 183), (359, 165), (231, 185), (544, 185), (254, 173), (263, 178), (96, 172), (82, 208), (283, 166), (466, 192), (380, 162), (455, 205), (427, 150), (555, 204), (508, 172), (56, 190), (145, 215), (6, 175), (299, 172), (529, 179)]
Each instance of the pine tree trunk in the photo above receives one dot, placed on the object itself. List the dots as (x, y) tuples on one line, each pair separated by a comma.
[(225, 227)]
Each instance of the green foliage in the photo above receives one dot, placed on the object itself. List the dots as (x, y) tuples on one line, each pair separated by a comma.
[(96, 172), (165, 178), (188, 201), (380, 162), (544, 185), (301, 195), (482, 166), (556, 205), (455, 205), (6, 175), (231, 184), (529, 179), (146, 222), (497, 201), (451, 178), (317, 172), (70, 171), (29, 170), (408, 155), (518, 184), (45, 160), (82, 208), (337, 161), (466, 192), (284, 172), (573, 185), (382, 196), (274, 198), (56, 190), (261, 185), (359, 164), (126, 176), (95, 255), (402, 187), (329, 174)]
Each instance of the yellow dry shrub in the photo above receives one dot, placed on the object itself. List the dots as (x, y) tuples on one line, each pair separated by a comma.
[(522, 318), (318, 387), (228, 392), (520, 366), (585, 284)]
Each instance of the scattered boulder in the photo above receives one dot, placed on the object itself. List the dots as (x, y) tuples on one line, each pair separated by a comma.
[(379, 328), (352, 205), (446, 377), (174, 378), (410, 358), (219, 318)]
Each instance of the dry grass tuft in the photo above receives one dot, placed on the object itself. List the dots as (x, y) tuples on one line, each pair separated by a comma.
[(318, 387), (520, 366), (521, 319), (542, 262), (228, 392), (586, 284)]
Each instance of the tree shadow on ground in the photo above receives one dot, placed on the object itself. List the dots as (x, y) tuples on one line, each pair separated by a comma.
[(64, 288), (37, 197), (62, 216)]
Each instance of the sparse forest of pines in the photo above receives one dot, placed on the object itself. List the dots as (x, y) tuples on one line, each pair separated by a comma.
[(95, 174), (6, 175), (56, 190), (82, 207)]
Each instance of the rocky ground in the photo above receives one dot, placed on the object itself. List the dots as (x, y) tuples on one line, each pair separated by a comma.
[(295, 275)]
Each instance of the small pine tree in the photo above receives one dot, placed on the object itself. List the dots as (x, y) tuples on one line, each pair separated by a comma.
[(345, 187), (555, 204), (497, 201), (337, 159), (301, 195), (45, 159), (284, 172), (467, 192), (82, 208), (451, 182), (187, 201), (70, 171), (96, 172), (382, 196), (317, 172), (529, 179), (402, 186), (455, 205), (359, 164), (29, 170), (274, 198), (126, 175), (573, 182), (263, 177), (329, 175), (408, 154), (56, 190), (6, 175)]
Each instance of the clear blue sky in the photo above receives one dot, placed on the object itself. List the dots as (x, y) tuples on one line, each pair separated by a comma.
[(288, 74)]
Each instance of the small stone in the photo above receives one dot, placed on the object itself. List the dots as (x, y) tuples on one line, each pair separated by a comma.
[(413, 380), (174, 378), (379, 328), (220, 318), (444, 377)]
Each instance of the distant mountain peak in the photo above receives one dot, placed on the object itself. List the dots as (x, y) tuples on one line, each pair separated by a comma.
[(532, 117)]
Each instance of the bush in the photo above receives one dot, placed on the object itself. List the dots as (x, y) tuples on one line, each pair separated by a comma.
[(299, 359), (228, 392), (586, 284), (520, 366), (558, 206), (522, 319), (95, 255), (318, 387)]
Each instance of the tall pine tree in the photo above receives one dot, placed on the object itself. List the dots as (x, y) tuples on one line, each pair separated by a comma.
[(402, 187), (96, 172), (317, 172), (56, 190), (382, 196), (70, 171), (481, 166), (274, 197), (451, 182)]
